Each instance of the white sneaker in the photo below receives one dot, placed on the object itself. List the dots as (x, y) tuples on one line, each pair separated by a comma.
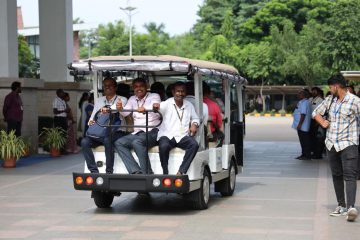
[(339, 211), (352, 214)]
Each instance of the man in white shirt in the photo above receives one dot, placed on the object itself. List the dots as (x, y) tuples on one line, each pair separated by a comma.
[(60, 110), (137, 140), (180, 124), (109, 99)]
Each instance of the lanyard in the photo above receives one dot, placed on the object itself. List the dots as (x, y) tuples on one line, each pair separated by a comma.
[(106, 101), (336, 111), (138, 100), (182, 114)]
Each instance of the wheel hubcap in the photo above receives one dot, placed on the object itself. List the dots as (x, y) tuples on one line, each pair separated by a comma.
[(232, 177), (206, 189)]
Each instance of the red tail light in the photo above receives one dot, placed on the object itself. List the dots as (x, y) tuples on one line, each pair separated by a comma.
[(89, 180), (167, 182)]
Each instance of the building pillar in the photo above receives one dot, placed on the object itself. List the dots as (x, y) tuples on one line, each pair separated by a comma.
[(56, 39), (9, 63)]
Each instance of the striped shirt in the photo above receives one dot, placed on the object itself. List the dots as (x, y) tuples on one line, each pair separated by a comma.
[(344, 121), (60, 105)]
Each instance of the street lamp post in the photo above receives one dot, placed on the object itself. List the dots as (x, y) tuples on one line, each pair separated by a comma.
[(128, 11)]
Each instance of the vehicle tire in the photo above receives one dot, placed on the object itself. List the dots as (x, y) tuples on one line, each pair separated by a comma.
[(200, 197), (102, 199), (228, 184)]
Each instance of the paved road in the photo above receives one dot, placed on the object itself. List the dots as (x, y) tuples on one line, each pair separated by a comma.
[(277, 197)]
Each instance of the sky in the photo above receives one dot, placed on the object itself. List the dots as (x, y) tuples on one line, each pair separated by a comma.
[(178, 16)]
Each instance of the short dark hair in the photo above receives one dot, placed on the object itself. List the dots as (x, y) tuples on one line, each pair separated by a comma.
[(179, 83), (190, 88), (337, 79), (111, 79), (206, 89), (59, 91), (15, 85), (157, 87), (139, 80), (317, 89)]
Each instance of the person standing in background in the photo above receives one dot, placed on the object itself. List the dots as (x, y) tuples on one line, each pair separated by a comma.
[(60, 110), (13, 109), (88, 111), (71, 146), (317, 134), (301, 123), (82, 104)]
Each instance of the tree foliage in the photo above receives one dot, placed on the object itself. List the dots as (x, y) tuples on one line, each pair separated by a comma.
[(269, 41), (27, 63), (342, 36)]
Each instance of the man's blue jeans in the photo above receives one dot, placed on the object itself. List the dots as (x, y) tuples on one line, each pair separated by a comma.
[(87, 143), (137, 142), (344, 167)]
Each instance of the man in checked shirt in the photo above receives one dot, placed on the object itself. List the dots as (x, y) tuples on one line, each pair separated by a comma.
[(342, 140)]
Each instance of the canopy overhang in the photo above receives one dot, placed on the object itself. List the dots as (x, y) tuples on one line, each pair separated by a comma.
[(159, 64)]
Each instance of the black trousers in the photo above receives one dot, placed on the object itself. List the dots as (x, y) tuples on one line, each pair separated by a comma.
[(187, 143), (14, 125), (317, 143), (344, 167), (304, 138), (61, 122)]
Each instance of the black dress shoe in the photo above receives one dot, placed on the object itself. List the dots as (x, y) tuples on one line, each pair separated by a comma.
[(299, 157), (304, 158)]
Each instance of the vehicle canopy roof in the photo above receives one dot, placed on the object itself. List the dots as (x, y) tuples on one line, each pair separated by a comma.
[(161, 65)]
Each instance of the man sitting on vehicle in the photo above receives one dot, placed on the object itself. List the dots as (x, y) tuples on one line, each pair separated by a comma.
[(215, 132), (87, 143), (137, 140), (178, 115)]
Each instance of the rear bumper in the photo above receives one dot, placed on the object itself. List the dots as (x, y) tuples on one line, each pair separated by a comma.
[(130, 183)]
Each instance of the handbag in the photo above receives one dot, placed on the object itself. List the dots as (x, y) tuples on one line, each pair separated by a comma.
[(96, 131)]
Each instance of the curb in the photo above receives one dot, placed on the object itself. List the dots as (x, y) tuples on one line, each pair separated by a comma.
[(268, 115)]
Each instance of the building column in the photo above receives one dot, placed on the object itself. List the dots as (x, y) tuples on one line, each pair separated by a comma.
[(9, 63), (56, 39)]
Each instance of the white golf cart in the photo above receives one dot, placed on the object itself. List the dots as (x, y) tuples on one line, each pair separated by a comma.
[(212, 164)]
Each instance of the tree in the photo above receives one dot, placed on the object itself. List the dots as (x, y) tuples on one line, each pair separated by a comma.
[(155, 42), (112, 40), (299, 54), (184, 46), (227, 27), (342, 36), (212, 12), (278, 12), (27, 63), (255, 62)]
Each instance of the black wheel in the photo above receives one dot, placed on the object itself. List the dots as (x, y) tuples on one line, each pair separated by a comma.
[(102, 199), (200, 197), (227, 186)]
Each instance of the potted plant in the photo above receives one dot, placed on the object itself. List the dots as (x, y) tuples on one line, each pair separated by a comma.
[(11, 148), (54, 139), (27, 144)]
